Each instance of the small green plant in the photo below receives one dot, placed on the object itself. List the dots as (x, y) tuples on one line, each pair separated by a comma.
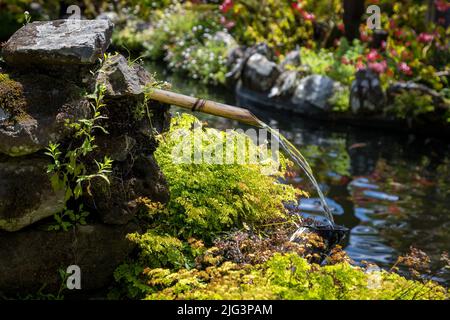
[(341, 100), (324, 62), (42, 295), (27, 17), (67, 218), (68, 170)]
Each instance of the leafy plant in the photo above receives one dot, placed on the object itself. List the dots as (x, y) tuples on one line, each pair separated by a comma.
[(411, 104), (286, 277), (68, 218), (206, 197), (69, 171)]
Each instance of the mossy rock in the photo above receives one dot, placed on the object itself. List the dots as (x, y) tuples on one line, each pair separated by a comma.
[(12, 100), (36, 108)]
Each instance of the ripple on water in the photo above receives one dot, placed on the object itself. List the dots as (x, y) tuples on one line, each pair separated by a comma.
[(380, 196), (315, 206), (369, 247), (363, 183)]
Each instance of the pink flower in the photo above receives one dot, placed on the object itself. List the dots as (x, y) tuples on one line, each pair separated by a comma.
[(226, 23), (405, 68), (226, 6), (373, 55), (441, 5), (378, 67), (425, 37), (394, 53), (308, 16)]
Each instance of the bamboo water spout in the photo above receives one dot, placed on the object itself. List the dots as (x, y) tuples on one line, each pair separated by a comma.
[(205, 106)]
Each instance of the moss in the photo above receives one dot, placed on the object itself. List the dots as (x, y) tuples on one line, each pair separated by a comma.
[(216, 194), (12, 99), (411, 104)]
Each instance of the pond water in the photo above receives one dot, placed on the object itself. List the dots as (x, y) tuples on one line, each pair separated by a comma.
[(392, 190)]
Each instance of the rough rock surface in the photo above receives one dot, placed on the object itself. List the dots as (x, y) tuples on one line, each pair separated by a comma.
[(26, 195), (32, 258), (35, 104), (316, 90), (260, 73), (238, 58), (285, 84), (366, 94), (121, 79), (292, 59), (59, 42), (37, 108)]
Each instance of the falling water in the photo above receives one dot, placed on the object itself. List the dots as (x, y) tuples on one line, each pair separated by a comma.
[(300, 160)]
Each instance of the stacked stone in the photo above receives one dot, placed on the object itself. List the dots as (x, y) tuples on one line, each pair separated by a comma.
[(290, 86), (50, 67)]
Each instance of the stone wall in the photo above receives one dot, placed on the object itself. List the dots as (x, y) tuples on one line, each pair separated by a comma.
[(50, 66)]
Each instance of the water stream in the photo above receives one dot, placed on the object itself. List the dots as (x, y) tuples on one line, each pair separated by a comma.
[(300, 160)]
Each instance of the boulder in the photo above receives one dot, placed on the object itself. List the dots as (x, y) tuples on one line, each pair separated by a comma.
[(121, 79), (260, 73), (238, 57), (26, 194), (263, 49), (37, 107), (366, 94), (31, 259), (292, 59), (316, 90), (285, 84), (60, 42)]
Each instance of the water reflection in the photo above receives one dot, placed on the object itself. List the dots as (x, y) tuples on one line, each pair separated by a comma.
[(392, 190)]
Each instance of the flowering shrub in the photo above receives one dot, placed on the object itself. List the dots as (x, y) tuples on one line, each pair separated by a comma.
[(414, 50), (275, 22), (282, 24), (183, 36)]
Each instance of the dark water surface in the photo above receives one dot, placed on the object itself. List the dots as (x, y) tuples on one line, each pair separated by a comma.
[(392, 190)]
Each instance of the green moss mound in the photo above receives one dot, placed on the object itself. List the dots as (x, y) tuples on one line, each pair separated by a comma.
[(208, 197), (11, 96), (287, 277)]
